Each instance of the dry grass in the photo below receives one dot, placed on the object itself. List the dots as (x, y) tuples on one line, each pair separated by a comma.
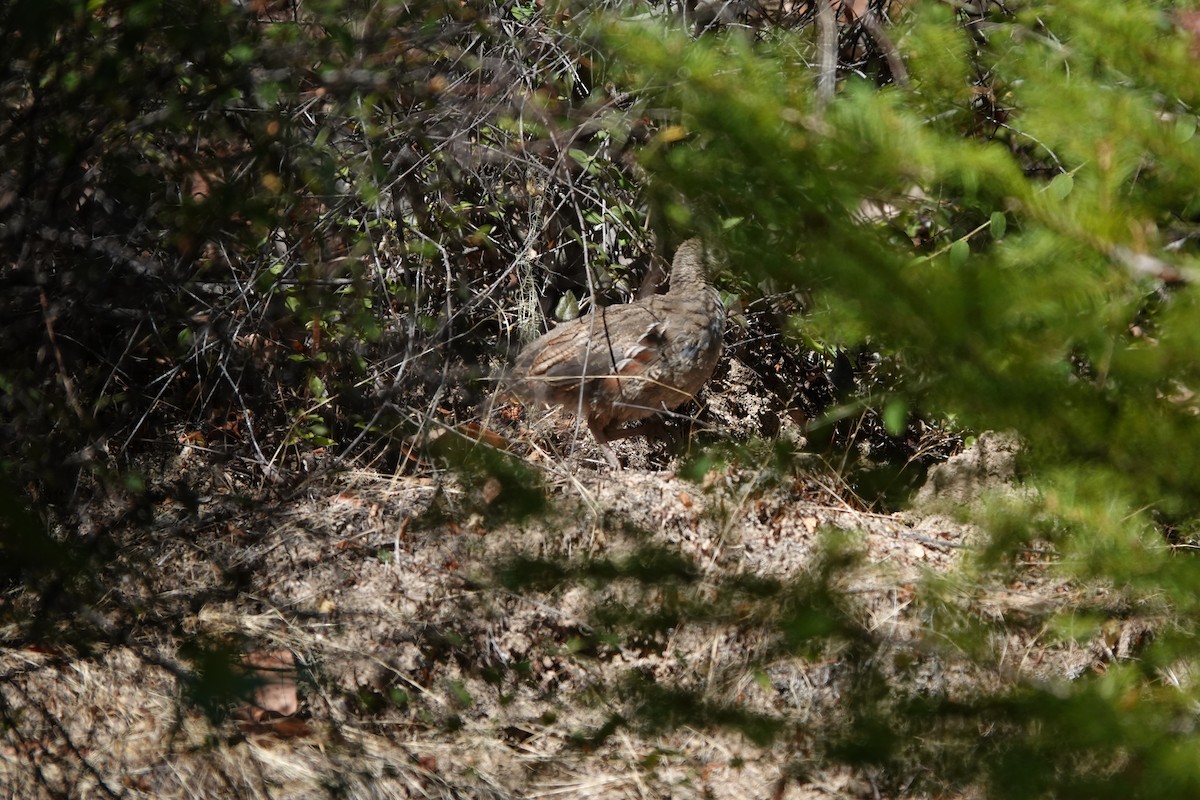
[(419, 676)]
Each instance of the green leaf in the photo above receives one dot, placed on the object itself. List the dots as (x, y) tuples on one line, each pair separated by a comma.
[(1185, 128), (959, 252), (1061, 186), (999, 224), (895, 416), (581, 158), (567, 308)]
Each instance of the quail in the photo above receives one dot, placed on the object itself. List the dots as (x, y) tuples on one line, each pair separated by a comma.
[(627, 362)]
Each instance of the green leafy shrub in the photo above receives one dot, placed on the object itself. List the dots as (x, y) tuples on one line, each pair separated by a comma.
[(1017, 216)]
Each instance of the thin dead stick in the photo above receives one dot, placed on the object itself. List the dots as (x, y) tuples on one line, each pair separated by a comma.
[(68, 386), (828, 33)]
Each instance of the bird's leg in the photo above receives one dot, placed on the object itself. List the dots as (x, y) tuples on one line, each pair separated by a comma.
[(601, 436)]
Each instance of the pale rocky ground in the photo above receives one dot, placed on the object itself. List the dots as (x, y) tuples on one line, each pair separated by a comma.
[(380, 588)]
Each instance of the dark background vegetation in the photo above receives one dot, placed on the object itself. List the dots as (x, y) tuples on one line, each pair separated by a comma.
[(296, 237)]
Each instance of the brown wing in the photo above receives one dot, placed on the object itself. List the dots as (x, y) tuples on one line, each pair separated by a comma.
[(599, 349)]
